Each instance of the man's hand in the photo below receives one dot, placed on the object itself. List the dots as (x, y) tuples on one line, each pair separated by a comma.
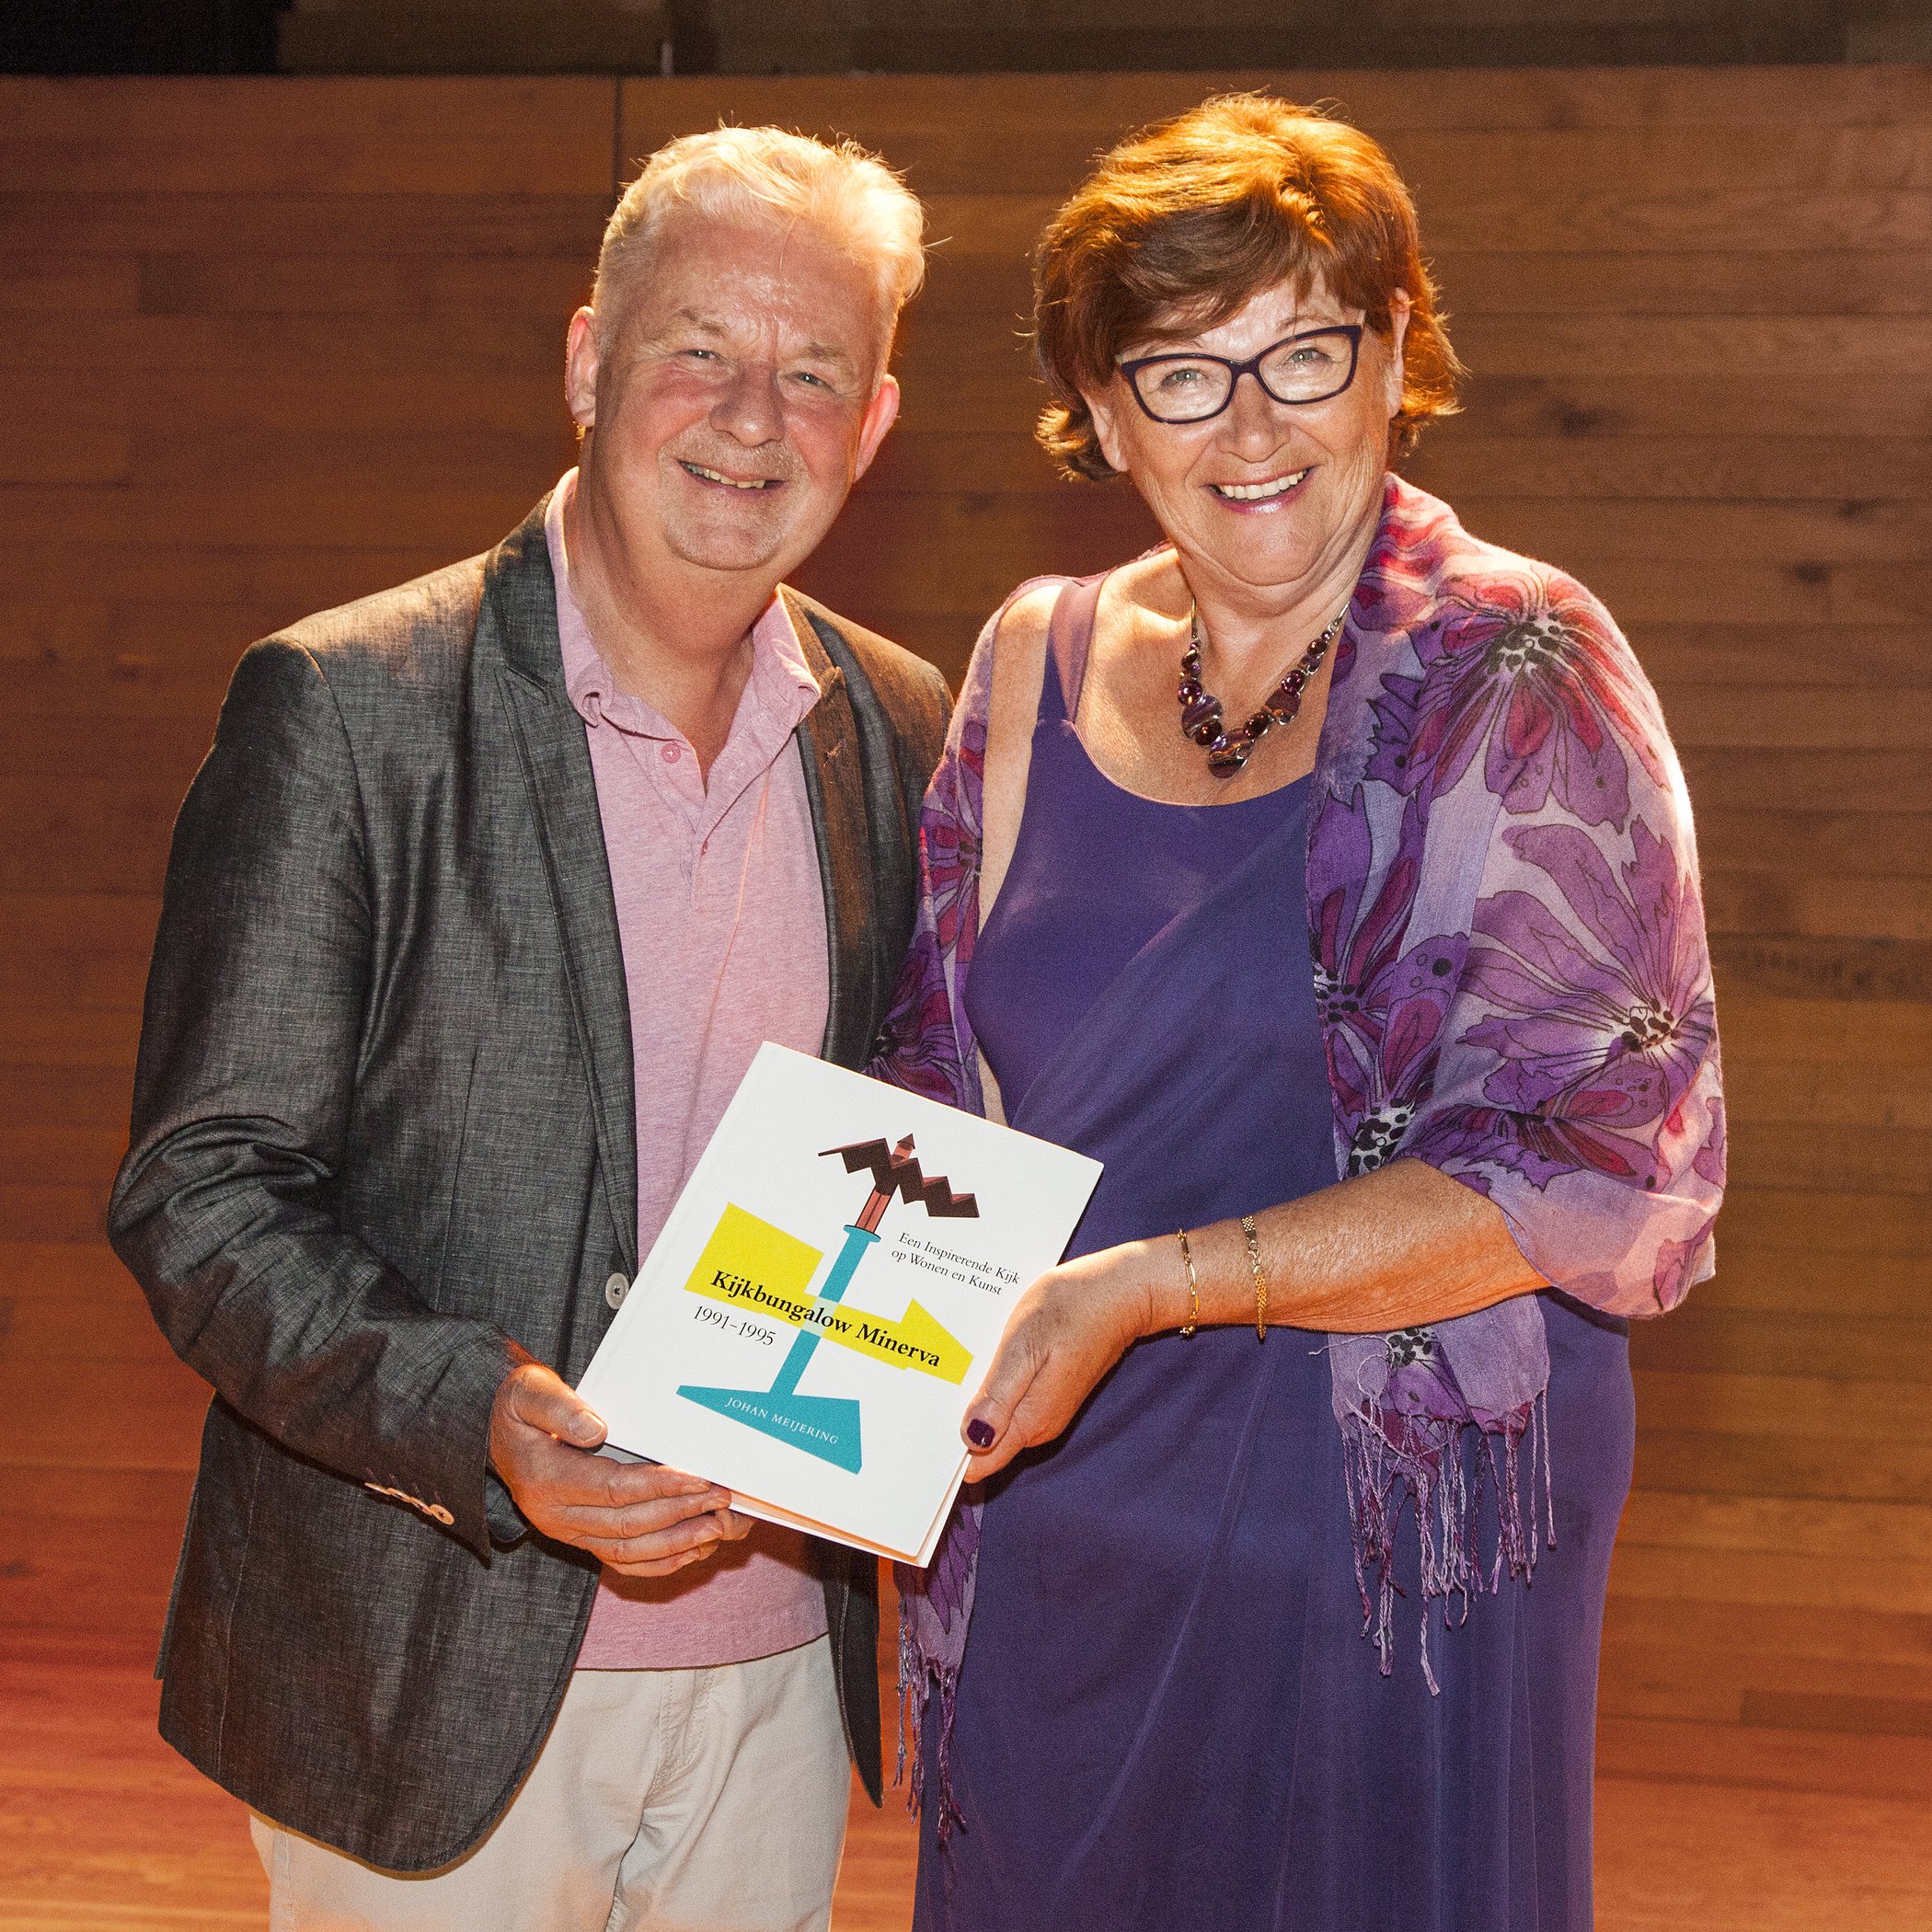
[(640, 1518)]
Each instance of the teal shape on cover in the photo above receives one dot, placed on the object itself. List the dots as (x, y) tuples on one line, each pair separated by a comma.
[(823, 1426)]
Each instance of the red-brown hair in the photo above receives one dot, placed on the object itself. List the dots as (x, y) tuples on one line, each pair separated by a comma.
[(1183, 222)]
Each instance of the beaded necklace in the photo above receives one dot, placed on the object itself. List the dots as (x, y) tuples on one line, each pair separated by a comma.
[(1201, 709)]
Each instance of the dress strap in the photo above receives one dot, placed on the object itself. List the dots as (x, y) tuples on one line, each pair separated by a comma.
[(1070, 634)]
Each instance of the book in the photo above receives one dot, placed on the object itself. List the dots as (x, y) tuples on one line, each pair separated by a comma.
[(825, 1298)]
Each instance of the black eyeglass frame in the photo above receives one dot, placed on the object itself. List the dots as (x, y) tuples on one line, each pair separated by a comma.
[(1235, 370)]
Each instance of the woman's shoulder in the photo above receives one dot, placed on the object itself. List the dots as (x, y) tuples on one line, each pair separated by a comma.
[(1428, 571), (1491, 658)]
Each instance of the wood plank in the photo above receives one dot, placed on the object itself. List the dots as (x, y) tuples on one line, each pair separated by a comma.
[(1751, 1278), (184, 284), (1848, 780), (1789, 1407), (1762, 1461), (1873, 907), (1785, 1760), (1898, 1161), (249, 516), (249, 348), (64, 1096), (77, 950), (1817, 535), (1848, 843), (1862, 1041), (35, 1211), (1582, 404), (1600, 217), (1480, 280), (158, 1407), (1849, 968), (77, 1156), (1827, 1094), (1789, 1219), (338, 137), (1036, 104), (139, 221), (1795, 718), (1707, 1338), (1672, 1856), (51, 1036)]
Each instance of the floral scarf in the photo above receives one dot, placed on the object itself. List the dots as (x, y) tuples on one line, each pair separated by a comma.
[(1513, 985)]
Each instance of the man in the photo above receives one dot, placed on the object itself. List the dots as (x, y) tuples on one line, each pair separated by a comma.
[(488, 890)]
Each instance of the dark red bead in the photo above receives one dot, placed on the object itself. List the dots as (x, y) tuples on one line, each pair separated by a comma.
[(1188, 691), (1259, 723)]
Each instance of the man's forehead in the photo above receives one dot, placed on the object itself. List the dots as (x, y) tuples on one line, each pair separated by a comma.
[(735, 280), (724, 319)]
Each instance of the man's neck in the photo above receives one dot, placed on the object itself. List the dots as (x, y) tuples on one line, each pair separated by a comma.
[(674, 635)]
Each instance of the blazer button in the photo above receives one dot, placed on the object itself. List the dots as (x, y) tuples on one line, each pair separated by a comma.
[(438, 1512), (614, 1290)]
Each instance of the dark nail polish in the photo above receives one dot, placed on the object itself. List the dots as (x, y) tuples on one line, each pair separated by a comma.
[(979, 1432)]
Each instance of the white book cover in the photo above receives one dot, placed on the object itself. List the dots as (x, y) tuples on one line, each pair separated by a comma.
[(825, 1298)]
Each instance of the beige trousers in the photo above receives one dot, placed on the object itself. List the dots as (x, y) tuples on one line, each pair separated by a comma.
[(702, 1800)]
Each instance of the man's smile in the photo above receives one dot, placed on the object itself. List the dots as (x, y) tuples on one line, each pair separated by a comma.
[(706, 475)]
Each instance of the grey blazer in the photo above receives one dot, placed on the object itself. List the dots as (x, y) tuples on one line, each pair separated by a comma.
[(382, 1148)]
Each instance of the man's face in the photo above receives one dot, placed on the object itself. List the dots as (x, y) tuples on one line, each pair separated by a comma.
[(736, 397)]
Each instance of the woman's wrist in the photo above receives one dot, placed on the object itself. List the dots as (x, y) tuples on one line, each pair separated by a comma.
[(1160, 1300)]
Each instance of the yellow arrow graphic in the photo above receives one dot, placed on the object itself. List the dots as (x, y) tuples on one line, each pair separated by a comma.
[(750, 1264)]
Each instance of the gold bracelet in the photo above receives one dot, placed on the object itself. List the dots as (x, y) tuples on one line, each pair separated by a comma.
[(1188, 1327), (1254, 1262)]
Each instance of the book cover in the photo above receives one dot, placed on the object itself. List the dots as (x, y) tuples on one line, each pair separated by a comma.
[(825, 1298)]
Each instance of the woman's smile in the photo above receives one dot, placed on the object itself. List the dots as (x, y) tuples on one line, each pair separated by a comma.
[(1268, 493)]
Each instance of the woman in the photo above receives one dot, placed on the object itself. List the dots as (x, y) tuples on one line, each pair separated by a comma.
[(1341, 1339)]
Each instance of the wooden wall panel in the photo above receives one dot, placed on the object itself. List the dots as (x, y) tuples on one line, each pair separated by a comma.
[(270, 345)]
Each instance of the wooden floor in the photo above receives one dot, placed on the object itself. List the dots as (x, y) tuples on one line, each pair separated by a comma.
[(1711, 1824)]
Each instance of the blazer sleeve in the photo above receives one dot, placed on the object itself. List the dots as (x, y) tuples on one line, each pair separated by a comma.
[(223, 1209)]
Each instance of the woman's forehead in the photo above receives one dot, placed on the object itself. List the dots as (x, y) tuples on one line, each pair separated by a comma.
[(1281, 309)]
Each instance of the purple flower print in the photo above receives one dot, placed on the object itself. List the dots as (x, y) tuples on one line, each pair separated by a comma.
[(950, 839), (1599, 1020), (1382, 1003), (1521, 673)]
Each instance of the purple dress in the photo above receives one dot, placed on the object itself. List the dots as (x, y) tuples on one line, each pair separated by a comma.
[(1168, 1713)]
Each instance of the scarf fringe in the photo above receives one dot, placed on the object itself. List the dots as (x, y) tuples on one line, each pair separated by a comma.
[(1392, 1461), (921, 1678)]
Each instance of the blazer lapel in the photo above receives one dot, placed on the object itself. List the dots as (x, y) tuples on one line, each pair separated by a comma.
[(517, 626), (835, 789)]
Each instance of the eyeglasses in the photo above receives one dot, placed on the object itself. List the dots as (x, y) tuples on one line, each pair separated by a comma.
[(1190, 387)]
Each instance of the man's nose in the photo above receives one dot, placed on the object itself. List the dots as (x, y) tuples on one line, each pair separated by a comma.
[(751, 410)]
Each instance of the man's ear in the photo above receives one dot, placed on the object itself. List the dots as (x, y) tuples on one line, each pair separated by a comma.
[(580, 369), (881, 413)]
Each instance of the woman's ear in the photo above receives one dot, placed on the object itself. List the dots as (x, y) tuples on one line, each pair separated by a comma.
[(1398, 312), (1106, 425)]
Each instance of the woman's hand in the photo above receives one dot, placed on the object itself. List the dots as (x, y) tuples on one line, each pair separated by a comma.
[(1069, 1329)]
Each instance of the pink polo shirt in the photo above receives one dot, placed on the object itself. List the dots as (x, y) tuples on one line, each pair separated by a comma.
[(722, 920)]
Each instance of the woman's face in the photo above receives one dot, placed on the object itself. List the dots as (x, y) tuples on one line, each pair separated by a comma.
[(1309, 474)]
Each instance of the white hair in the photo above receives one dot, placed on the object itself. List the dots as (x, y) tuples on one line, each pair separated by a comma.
[(765, 174)]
